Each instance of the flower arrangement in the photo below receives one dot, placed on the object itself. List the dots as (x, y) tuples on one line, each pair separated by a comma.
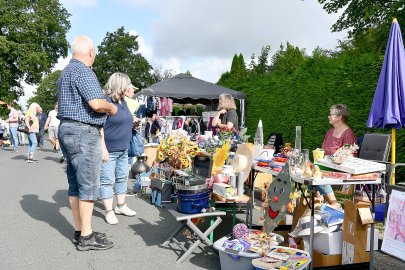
[(208, 144), (224, 136), (177, 150), (235, 137)]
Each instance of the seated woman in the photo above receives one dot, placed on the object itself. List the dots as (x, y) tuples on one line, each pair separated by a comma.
[(339, 135), (226, 116)]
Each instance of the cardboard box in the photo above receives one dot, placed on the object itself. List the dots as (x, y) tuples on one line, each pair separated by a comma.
[(328, 243), (355, 225), (322, 260)]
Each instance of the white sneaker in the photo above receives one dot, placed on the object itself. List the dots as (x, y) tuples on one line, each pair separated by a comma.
[(110, 217), (124, 210)]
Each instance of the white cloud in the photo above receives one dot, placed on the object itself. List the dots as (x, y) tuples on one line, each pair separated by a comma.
[(81, 3), (28, 92), (171, 63), (209, 68), (213, 28), (144, 49), (203, 35), (137, 3)]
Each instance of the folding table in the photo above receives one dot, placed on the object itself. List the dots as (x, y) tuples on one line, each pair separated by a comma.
[(186, 222), (329, 181)]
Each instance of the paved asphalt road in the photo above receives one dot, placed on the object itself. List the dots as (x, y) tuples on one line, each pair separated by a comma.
[(36, 225)]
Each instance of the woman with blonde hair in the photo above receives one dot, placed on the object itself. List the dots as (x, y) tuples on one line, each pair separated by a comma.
[(116, 135), (32, 123), (226, 117)]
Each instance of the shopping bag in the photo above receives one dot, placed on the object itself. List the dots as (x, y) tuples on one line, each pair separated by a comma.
[(136, 147)]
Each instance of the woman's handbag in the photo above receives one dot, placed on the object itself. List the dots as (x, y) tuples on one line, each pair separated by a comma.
[(22, 127)]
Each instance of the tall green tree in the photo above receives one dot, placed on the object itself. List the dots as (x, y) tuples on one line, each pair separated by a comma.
[(46, 95), (288, 59), (237, 73), (32, 38), (118, 52), (263, 61), (360, 15)]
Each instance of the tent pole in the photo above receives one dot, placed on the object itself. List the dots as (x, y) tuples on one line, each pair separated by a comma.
[(242, 112), (393, 147)]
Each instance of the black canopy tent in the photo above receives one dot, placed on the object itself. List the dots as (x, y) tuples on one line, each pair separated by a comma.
[(187, 89)]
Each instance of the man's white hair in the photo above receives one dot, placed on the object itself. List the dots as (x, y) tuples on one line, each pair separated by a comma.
[(81, 44)]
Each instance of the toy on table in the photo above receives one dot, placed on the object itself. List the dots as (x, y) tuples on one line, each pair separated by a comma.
[(275, 206)]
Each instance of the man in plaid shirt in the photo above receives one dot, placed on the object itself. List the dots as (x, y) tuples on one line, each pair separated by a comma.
[(82, 110)]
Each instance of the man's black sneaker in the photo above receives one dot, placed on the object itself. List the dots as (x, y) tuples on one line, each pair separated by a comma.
[(93, 242), (62, 159), (76, 236)]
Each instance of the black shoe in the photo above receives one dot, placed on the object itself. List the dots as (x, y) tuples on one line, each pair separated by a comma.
[(93, 242), (62, 159), (76, 236), (131, 192)]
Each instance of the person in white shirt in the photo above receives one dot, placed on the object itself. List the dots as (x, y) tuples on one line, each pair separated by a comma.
[(52, 124)]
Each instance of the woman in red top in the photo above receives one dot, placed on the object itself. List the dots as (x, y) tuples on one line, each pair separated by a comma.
[(339, 135)]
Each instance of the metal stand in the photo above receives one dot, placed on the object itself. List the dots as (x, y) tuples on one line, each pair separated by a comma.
[(185, 220)]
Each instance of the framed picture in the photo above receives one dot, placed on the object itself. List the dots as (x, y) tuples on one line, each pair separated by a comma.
[(394, 234)]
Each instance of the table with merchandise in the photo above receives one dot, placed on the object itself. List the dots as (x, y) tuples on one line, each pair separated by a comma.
[(348, 172)]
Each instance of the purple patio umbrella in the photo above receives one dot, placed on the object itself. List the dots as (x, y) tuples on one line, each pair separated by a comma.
[(388, 108)]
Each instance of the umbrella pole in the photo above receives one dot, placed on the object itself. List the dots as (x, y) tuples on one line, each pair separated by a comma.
[(393, 146)]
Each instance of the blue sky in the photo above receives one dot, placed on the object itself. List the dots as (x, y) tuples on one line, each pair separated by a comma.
[(202, 35)]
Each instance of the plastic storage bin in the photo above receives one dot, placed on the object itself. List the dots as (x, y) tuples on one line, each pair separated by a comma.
[(244, 262)]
